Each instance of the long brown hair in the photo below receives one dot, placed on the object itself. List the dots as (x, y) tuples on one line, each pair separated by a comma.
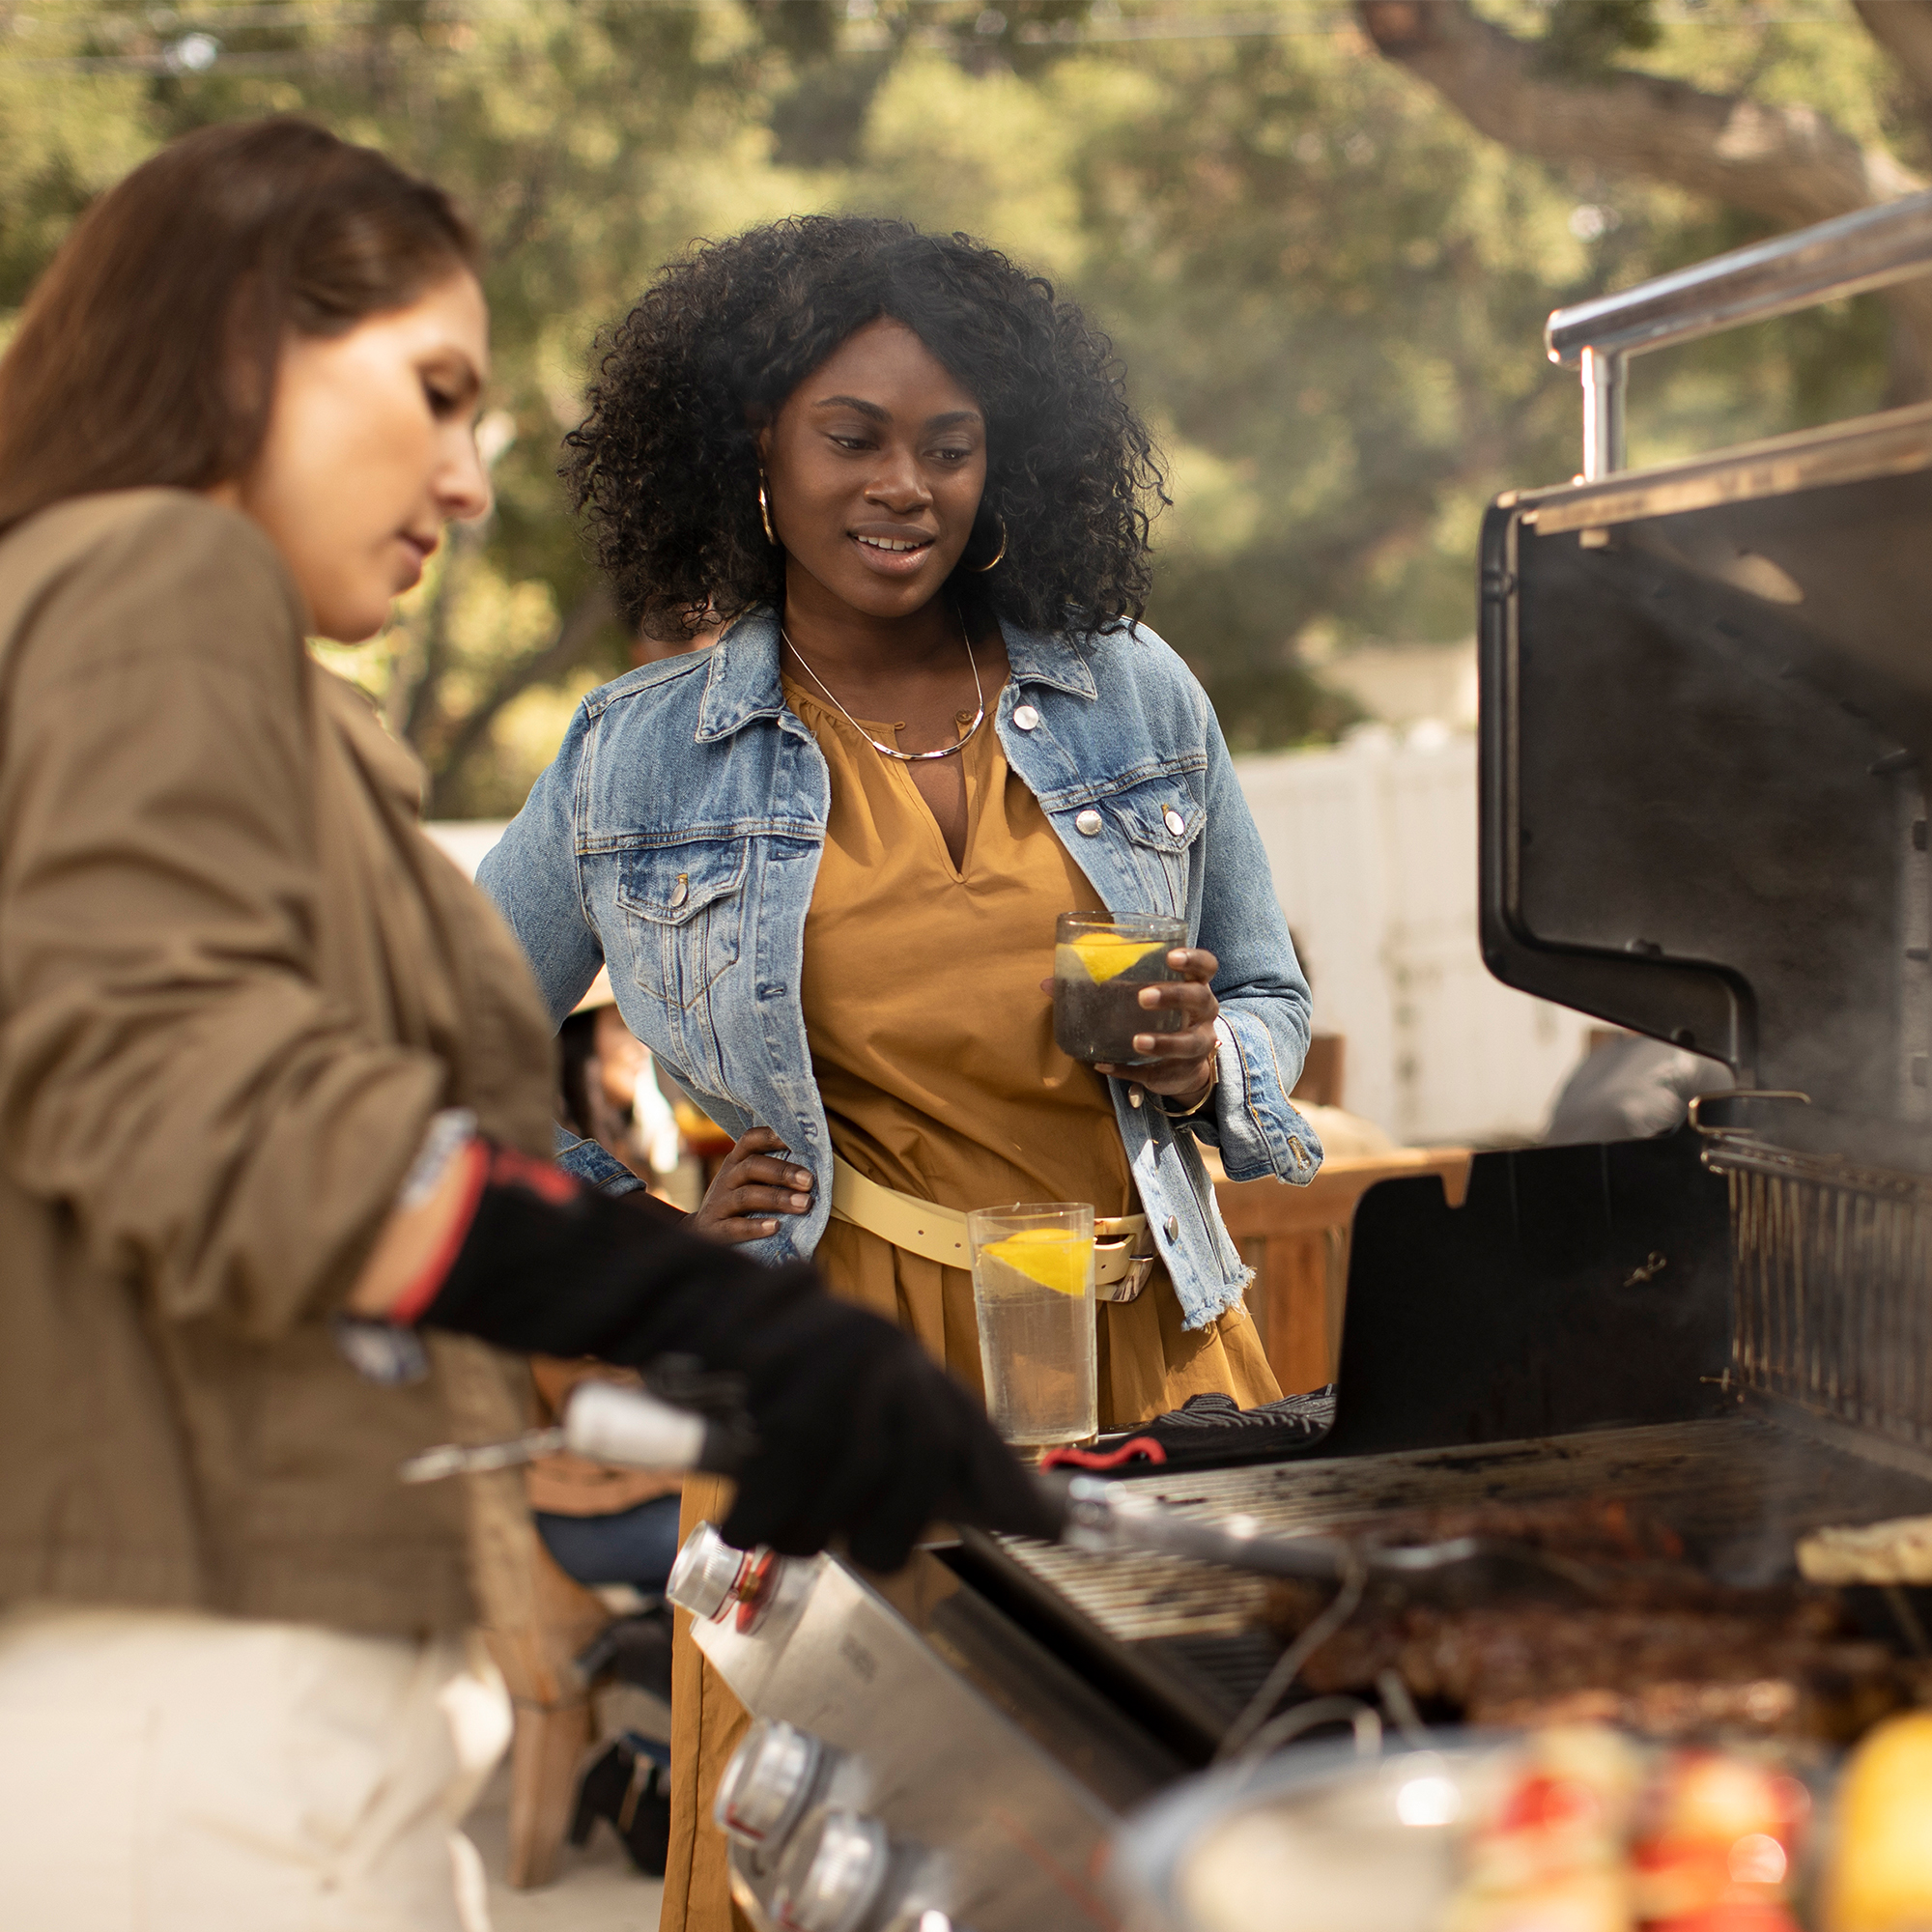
[(147, 352)]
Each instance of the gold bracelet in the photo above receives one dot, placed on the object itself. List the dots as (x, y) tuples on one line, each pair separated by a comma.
[(1213, 1081)]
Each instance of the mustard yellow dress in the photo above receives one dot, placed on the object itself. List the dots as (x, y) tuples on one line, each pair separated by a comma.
[(932, 1044)]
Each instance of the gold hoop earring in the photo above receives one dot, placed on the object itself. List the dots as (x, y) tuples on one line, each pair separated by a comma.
[(998, 553), (765, 514)]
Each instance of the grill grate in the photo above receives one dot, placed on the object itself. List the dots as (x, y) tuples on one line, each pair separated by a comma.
[(1737, 1481), (1833, 1283), (1221, 1674)]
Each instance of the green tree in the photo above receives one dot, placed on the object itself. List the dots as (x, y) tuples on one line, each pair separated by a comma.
[(588, 141), (1328, 285), (1329, 296)]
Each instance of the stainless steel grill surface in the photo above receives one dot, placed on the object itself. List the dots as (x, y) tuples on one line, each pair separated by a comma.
[(1721, 1484)]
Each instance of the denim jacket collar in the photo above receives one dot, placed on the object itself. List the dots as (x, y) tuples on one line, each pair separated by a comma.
[(744, 681), (1057, 661)]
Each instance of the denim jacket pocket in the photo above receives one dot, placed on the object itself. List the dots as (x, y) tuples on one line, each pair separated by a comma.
[(684, 908), (1163, 821)]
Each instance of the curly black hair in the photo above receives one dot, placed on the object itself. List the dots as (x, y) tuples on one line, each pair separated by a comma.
[(665, 466)]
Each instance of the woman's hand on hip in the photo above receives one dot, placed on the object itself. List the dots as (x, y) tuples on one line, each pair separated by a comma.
[(1180, 1066), (754, 1187)]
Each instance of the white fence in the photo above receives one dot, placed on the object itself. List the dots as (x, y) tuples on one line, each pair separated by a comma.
[(1374, 849), (466, 840)]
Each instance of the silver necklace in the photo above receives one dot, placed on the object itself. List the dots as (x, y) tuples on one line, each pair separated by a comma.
[(893, 751)]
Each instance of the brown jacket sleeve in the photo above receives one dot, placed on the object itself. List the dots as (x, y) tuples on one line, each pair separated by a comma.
[(171, 1074)]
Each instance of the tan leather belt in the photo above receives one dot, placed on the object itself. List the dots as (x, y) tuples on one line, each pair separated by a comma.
[(1123, 1255)]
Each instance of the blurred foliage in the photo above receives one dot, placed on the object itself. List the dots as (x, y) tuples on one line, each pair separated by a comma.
[(1584, 36), (1327, 291)]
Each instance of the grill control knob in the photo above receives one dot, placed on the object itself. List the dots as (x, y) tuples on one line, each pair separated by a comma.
[(831, 1873), (704, 1578), (710, 1577), (766, 1784)]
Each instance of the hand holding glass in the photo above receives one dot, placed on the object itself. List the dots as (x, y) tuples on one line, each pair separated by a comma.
[(1100, 963)]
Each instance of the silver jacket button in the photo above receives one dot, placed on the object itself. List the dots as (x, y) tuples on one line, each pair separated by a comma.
[(1175, 822), (682, 890), (1173, 1226), (1087, 824), (1025, 716)]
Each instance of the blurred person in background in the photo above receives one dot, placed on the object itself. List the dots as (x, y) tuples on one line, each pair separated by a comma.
[(823, 861), (611, 1093), (273, 1088), (1629, 1087)]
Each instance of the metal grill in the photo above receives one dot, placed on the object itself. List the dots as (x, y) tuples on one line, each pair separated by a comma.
[(1716, 1482), (1833, 1285)]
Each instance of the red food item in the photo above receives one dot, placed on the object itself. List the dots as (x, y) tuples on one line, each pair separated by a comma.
[(1717, 1846), (1540, 1803), (1734, 1915)]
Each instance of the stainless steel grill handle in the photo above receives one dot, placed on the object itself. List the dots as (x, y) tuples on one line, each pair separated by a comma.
[(1842, 257)]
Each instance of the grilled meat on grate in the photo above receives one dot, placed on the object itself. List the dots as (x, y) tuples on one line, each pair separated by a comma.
[(1655, 1644)]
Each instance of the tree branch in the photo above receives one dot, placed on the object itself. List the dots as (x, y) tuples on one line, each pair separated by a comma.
[(568, 646), (1903, 28), (1789, 163)]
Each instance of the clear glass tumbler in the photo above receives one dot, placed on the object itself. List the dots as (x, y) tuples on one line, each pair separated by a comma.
[(1033, 1291), (1100, 962)]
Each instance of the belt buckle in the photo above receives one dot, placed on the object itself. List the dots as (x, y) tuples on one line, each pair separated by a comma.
[(1140, 1265)]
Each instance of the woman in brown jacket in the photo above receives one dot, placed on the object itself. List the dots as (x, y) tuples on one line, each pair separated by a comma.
[(275, 1087)]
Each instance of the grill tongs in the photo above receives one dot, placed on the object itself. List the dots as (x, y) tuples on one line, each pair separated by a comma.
[(635, 1430), (1122, 1518)]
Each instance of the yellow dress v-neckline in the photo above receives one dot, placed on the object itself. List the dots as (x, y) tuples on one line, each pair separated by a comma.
[(819, 716)]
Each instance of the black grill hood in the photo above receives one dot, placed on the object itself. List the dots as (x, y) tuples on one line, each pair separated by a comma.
[(1706, 698)]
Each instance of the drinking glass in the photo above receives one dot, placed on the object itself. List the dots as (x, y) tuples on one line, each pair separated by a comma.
[(1100, 962), (1033, 1292)]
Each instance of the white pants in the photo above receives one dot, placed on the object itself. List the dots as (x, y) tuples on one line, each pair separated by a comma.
[(176, 1772)]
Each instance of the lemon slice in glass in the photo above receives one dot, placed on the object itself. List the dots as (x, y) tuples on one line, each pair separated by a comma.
[(1054, 1257), (1105, 955)]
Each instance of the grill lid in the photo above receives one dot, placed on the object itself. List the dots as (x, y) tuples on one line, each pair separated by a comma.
[(1706, 690)]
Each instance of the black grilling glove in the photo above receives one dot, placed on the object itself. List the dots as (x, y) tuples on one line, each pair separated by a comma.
[(856, 1431)]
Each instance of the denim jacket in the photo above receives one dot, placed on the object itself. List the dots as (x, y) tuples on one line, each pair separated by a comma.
[(676, 837)]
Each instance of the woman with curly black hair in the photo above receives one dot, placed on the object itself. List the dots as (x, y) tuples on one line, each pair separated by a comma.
[(670, 460), (823, 860)]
